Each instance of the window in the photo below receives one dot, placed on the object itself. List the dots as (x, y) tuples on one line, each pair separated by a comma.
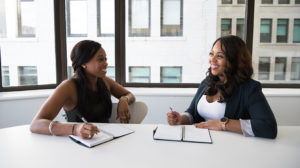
[(26, 18), (23, 55), (267, 1), (264, 68), (265, 30), (5, 76), (226, 1), (105, 18), (111, 72), (139, 17), (77, 18), (296, 34), (139, 74), (2, 19), (295, 71), (240, 28), (170, 74), (225, 27), (280, 68), (241, 1), (297, 1), (283, 1), (171, 17), (282, 30), (27, 75)]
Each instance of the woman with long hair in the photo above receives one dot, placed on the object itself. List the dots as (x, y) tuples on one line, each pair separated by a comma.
[(84, 97), (229, 99)]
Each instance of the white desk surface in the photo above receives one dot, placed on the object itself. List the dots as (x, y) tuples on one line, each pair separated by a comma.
[(21, 148)]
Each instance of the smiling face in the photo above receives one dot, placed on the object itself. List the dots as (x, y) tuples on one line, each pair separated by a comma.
[(217, 61), (96, 67)]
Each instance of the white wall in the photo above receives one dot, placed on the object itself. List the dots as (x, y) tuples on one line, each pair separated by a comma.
[(18, 108)]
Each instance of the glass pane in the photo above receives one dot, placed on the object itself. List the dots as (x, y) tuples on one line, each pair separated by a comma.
[(241, 1), (5, 76), (274, 62), (139, 22), (77, 17), (171, 74), (2, 19), (96, 23), (27, 18), (264, 68), (296, 35), (111, 72), (139, 74), (266, 1), (240, 28), (226, 1), (283, 1), (105, 16), (29, 54), (295, 72), (297, 1), (182, 35), (226, 27), (280, 68)]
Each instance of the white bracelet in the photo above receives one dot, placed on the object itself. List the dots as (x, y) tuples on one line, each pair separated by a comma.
[(127, 98), (50, 127)]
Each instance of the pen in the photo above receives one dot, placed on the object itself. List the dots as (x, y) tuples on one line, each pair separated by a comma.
[(171, 109)]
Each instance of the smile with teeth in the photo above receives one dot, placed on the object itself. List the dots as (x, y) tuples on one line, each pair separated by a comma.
[(214, 66)]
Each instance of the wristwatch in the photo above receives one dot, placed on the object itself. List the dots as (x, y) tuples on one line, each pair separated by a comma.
[(224, 121)]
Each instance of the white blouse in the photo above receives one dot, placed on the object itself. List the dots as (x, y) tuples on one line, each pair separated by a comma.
[(215, 111)]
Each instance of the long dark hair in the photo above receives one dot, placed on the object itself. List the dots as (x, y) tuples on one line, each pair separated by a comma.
[(238, 68), (81, 53)]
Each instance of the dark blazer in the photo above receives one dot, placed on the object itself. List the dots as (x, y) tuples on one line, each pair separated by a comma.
[(248, 102)]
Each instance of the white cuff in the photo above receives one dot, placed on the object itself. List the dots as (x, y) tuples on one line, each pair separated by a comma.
[(246, 128)]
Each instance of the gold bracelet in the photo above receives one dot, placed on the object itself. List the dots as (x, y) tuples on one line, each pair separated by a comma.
[(50, 127)]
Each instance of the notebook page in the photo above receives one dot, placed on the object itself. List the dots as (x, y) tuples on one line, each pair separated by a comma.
[(194, 134), (99, 138), (167, 132), (115, 130)]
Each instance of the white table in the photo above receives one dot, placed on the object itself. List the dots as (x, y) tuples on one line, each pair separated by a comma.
[(21, 148)]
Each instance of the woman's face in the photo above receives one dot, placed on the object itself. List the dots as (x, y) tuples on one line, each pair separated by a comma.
[(96, 67), (217, 61)]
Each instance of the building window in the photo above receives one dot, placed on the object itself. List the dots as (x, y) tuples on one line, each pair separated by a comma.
[(297, 1), (264, 68), (26, 18), (240, 28), (2, 19), (225, 27), (295, 69), (76, 18), (111, 72), (170, 74), (282, 30), (241, 1), (70, 71), (280, 68), (265, 30), (139, 18), (171, 17), (226, 1), (283, 1), (139, 74), (267, 1), (296, 35), (105, 18), (5, 76), (27, 75)]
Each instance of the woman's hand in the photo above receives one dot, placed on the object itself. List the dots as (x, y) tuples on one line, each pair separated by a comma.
[(123, 111), (85, 131), (210, 124), (174, 118)]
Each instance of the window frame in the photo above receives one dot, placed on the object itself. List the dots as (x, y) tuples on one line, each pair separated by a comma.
[(120, 34), (270, 29), (68, 20), (142, 77), (99, 33), (161, 73), (19, 20), (286, 30)]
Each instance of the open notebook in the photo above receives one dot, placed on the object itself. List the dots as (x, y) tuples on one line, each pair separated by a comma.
[(187, 133), (107, 133)]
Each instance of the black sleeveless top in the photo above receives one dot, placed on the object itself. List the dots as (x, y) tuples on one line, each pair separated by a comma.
[(97, 107)]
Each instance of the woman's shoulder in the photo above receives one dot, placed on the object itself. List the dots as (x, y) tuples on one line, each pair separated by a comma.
[(67, 85), (251, 83)]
